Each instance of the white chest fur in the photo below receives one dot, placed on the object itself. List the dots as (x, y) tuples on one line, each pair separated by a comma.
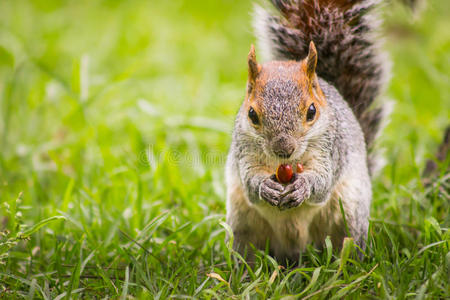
[(291, 229)]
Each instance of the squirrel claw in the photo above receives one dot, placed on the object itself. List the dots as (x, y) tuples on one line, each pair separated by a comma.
[(292, 201), (295, 193), (270, 191)]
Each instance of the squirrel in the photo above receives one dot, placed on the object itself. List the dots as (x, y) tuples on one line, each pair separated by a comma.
[(313, 103)]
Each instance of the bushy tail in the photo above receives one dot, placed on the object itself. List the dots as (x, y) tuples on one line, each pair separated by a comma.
[(349, 56)]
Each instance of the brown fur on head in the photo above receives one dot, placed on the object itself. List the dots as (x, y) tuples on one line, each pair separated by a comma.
[(302, 73), (253, 68), (280, 94)]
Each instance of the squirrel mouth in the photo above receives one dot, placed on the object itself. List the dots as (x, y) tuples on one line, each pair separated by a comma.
[(273, 161), (297, 156)]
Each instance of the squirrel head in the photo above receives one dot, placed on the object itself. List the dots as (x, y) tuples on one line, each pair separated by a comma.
[(284, 103)]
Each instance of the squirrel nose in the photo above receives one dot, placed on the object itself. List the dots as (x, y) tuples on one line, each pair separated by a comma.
[(283, 148)]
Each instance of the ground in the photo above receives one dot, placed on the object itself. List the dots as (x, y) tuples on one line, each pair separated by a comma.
[(115, 120)]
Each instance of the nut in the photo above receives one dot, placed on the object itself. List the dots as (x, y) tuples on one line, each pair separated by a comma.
[(284, 173)]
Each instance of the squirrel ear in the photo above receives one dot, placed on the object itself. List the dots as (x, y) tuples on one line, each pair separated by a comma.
[(311, 60), (253, 66)]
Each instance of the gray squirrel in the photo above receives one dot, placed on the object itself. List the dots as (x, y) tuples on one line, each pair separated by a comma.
[(313, 104)]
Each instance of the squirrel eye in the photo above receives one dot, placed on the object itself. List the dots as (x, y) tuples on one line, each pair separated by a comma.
[(311, 113), (253, 116)]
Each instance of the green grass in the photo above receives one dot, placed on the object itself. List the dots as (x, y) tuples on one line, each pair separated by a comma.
[(115, 123)]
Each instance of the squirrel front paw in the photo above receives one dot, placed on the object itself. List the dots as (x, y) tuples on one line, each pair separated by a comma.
[(295, 193), (271, 191)]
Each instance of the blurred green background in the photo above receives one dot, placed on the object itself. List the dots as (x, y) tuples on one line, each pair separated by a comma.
[(114, 113)]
